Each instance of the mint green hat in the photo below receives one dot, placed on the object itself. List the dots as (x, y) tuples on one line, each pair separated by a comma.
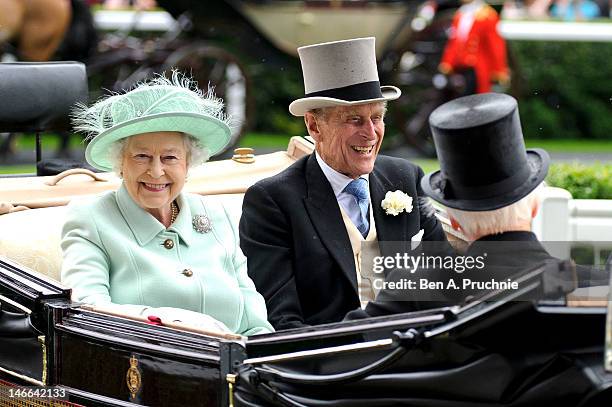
[(161, 104)]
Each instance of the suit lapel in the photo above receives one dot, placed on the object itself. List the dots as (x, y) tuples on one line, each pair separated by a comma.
[(388, 228), (324, 213)]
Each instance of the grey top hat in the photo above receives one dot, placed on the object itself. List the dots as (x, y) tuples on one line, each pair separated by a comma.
[(340, 73)]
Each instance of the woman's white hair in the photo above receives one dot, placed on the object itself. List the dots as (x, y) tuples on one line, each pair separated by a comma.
[(196, 153), (482, 223)]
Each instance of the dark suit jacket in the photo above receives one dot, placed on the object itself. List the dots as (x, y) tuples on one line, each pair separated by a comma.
[(298, 251), (505, 259)]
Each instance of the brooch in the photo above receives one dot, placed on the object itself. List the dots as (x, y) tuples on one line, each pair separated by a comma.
[(201, 223), (396, 202)]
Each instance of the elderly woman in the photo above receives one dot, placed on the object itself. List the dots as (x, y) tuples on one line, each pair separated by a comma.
[(149, 248)]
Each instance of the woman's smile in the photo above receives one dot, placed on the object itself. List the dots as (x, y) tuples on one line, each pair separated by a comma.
[(154, 168), (154, 187)]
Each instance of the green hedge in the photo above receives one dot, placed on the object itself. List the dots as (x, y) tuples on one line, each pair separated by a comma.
[(564, 88), (275, 87), (582, 181)]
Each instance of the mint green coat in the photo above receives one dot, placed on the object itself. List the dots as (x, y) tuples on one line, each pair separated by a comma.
[(114, 251)]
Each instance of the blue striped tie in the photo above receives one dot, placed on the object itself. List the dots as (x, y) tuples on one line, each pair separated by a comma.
[(359, 189)]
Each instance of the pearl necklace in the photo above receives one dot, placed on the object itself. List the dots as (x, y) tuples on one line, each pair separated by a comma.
[(174, 211)]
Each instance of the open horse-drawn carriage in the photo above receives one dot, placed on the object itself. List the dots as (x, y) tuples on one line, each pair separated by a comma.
[(535, 346)]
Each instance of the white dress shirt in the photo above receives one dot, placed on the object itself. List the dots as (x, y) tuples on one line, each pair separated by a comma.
[(338, 182), (351, 213), (468, 14)]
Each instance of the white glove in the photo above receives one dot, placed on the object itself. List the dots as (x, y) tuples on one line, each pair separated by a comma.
[(186, 317)]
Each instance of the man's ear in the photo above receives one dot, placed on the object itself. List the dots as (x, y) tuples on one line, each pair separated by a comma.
[(454, 224), (312, 126), (535, 207)]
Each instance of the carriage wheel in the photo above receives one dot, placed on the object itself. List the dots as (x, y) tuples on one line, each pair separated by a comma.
[(212, 65)]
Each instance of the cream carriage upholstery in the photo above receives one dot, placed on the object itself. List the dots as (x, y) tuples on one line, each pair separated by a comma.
[(32, 209), (31, 237), (31, 234), (32, 97)]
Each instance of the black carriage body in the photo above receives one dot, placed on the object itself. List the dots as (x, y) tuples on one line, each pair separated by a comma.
[(514, 355), (102, 360), (501, 350), (95, 354)]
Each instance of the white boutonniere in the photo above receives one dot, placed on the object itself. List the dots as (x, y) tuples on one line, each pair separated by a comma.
[(396, 202)]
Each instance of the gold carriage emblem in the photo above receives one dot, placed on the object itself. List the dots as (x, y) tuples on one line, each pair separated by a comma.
[(133, 378)]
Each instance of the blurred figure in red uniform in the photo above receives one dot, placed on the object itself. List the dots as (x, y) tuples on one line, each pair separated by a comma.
[(475, 48)]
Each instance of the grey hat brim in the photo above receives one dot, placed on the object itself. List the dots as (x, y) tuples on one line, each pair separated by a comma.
[(300, 106), (538, 161)]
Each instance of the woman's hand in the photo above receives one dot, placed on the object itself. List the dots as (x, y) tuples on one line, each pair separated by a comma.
[(188, 318)]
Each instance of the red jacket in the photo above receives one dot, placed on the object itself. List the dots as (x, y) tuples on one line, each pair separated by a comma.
[(482, 49)]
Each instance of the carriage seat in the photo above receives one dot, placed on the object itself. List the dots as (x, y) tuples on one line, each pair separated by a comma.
[(39, 96), (35, 94), (32, 237)]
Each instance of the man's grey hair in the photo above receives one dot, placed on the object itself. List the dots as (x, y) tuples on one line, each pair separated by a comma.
[(196, 153), (322, 113), (483, 223)]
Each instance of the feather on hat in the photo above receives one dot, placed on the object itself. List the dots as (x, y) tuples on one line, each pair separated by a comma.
[(160, 104)]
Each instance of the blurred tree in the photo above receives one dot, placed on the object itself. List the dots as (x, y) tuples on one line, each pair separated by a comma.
[(566, 91)]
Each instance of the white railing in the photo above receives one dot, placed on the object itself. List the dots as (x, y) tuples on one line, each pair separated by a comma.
[(509, 29), (578, 221), (137, 20), (556, 31)]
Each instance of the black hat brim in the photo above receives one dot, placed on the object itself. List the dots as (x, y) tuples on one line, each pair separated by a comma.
[(538, 161), (299, 107)]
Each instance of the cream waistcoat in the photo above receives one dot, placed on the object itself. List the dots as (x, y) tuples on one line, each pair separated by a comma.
[(365, 278)]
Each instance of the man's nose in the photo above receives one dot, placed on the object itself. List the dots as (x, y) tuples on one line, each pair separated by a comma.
[(370, 128)]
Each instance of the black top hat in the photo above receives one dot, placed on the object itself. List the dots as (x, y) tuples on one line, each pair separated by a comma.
[(483, 161)]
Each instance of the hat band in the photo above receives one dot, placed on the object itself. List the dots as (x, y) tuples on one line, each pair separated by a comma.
[(351, 93), (486, 191)]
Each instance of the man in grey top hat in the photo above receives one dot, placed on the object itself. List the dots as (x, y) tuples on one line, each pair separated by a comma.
[(302, 229)]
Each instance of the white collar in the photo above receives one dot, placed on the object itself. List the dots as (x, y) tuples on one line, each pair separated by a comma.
[(338, 181), (471, 7)]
